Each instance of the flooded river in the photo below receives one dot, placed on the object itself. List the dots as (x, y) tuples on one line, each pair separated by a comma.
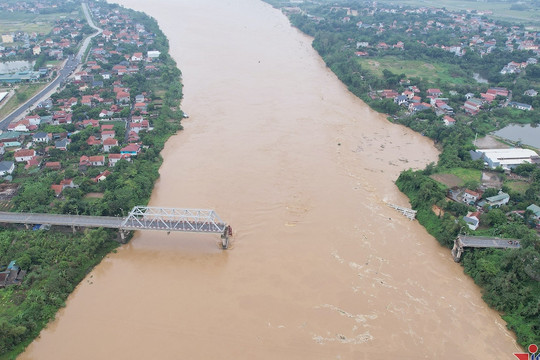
[(319, 267)]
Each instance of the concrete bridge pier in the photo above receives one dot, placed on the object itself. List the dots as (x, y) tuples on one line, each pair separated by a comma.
[(457, 250), (225, 237)]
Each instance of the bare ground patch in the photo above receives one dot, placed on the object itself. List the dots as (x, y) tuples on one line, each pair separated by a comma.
[(449, 180), (490, 142)]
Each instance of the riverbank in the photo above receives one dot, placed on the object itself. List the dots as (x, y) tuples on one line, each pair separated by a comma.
[(320, 266), (55, 262), (333, 41)]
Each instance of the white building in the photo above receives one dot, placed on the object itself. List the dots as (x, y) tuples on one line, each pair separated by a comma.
[(506, 158)]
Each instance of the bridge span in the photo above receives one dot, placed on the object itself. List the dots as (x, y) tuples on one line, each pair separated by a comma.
[(463, 241), (139, 218)]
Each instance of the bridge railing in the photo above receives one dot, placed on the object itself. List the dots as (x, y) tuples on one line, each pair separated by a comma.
[(173, 219)]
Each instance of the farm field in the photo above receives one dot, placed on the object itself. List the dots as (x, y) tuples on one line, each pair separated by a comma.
[(501, 10), (431, 72), (30, 23)]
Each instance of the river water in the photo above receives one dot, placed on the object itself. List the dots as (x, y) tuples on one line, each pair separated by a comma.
[(319, 267)]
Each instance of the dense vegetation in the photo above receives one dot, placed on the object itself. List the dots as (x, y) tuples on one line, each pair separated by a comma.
[(510, 279), (57, 261)]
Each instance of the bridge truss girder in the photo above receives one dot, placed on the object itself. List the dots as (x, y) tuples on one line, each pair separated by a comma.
[(175, 219)]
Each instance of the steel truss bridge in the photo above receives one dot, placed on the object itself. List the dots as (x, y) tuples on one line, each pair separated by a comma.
[(139, 218), (463, 241)]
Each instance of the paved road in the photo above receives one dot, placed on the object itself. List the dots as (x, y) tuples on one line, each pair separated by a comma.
[(69, 66), (485, 242), (65, 220)]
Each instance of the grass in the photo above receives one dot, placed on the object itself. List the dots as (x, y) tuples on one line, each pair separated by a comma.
[(517, 186), (465, 175), (431, 72), (26, 22), (501, 10), (26, 91)]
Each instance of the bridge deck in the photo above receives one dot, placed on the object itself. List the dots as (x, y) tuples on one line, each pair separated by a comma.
[(488, 242), (60, 219), (128, 223)]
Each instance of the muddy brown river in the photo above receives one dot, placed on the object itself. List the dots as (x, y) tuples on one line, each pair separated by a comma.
[(319, 267)]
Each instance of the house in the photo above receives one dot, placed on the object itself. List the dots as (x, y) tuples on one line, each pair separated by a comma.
[(137, 56), (53, 165), (114, 158), (62, 144), (434, 92), (131, 149), (68, 183), (13, 275), (137, 118), (153, 54), (141, 106), (448, 121), (470, 196), (57, 189), (105, 113), (415, 107), (497, 200), (498, 91), (536, 211), (84, 162), (93, 141), (24, 155), (41, 137), (34, 161), (109, 143), (20, 126), (106, 127), (6, 167), (472, 219), (531, 92), (472, 106), (102, 176), (98, 160), (33, 119), (401, 100), (385, 94), (107, 134), (90, 122), (520, 106), (122, 97)]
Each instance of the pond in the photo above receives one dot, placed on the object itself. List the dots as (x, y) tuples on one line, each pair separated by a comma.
[(526, 134)]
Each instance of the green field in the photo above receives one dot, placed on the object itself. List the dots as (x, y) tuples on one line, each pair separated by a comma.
[(501, 10), (517, 186), (38, 23), (431, 72), (26, 92)]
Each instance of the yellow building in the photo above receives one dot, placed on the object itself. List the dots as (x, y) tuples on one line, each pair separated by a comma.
[(6, 39)]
